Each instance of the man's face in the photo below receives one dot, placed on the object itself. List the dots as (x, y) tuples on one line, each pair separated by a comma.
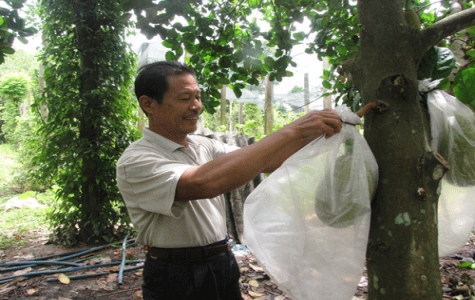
[(178, 115)]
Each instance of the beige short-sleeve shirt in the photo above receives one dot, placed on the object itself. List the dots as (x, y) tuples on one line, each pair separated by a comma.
[(147, 175)]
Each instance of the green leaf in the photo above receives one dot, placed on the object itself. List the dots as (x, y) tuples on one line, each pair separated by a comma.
[(224, 80), (269, 61), (237, 92), (464, 86), (437, 63), (170, 55), (167, 44), (225, 62), (7, 50), (342, 50), (444, 84), (464, 264), (326, 84), (299, 36), (22, 39)]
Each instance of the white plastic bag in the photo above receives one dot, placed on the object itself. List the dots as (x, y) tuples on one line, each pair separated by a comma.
[(456, 216), (453, 136), (314, 255)]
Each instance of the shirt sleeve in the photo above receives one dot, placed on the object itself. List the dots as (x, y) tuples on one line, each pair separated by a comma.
[(148, 182)]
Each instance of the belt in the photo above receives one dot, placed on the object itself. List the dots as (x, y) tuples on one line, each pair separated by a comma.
[(191, 252)]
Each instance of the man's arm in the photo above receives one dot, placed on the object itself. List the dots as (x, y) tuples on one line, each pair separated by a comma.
[(234, 169)]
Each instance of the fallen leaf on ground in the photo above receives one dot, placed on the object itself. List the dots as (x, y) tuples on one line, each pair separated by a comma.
[(256, 268), (138, 294), (30, 292), (112, 277), (255, 294), (253, 283), (24, 271), (64, 279)]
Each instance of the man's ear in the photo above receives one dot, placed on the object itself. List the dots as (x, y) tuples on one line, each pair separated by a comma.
[(145, 103)]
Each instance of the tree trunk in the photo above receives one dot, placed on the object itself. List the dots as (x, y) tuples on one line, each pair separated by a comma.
[(306, 93), (89, 131), (223, 106), (268, 110), (402, 255)]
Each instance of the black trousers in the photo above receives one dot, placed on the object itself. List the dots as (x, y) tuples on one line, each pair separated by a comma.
[(213, 278)]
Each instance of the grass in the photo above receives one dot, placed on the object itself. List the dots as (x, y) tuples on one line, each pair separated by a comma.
[(18, 225)]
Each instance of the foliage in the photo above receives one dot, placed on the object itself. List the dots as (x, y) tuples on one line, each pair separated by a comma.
[(12, 26), (26, 142), (464, 87), (253, 120), (223, 43), (296, 89), (19, 62), (13, 90), (8, 167), (90, 116), (13, 234), (336, 32)]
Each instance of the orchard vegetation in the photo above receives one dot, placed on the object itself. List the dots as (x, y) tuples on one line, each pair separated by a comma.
[(83, 113)]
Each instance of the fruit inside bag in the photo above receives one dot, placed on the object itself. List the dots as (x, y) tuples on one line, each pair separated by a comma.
[(310, 238), (453, 136), (333, 203)]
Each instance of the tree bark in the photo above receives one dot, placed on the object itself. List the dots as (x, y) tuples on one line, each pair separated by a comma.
[(268, 110), (89, 133), (402, 256)]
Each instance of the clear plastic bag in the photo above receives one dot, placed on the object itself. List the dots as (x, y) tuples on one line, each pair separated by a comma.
[(456, 216), (453, 136), (307, 223)]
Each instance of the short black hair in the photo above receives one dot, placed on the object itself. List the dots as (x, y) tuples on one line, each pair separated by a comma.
[(152, 81)]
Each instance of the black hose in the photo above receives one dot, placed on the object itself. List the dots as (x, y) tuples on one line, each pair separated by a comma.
[(68, 256), (42, 262), (83, 276), (45, 272)]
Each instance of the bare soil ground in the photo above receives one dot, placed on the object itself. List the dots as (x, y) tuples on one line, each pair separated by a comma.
[(255, 284)]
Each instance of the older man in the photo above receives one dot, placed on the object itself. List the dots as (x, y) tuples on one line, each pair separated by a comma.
[(172, 183)]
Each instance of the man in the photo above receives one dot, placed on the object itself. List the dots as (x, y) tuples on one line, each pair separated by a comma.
[(172, 184)]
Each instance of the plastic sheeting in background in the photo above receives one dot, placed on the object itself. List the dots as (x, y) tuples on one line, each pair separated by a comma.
[(307, 224)]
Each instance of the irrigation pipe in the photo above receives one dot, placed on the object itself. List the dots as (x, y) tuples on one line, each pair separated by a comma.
[(42, 262), (83, 276), (69, 255), (122, 264), (45, 272)]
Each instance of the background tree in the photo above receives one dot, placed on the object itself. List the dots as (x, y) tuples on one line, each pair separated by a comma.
[(12, 27), (13, 90), (88, 70), (20, 62), (378, 53)]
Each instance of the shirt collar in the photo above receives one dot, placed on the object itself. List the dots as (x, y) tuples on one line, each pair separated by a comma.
[(157, 139)]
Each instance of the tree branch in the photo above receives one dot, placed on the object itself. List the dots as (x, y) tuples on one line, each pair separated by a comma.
[(446, 27)]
